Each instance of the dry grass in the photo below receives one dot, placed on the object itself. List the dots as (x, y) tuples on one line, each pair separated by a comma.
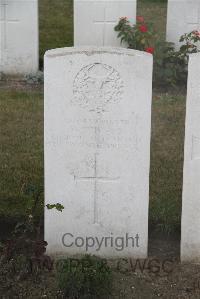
[(21, 147), (56, 25)]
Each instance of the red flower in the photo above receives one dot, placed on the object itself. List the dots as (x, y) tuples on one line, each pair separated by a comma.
[(143, 28), (150, 50), (140, 19)]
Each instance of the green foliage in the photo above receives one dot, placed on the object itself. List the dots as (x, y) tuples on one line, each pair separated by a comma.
[(170, 66), (23, 256), (30, 225), (26, 247), (56, 206), (138, 36), (37, 78), (90, 278)]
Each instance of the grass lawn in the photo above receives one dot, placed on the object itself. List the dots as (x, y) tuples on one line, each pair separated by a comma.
[(168, 120), (21, 160), (56, 25), (21, 128), (21, 148)]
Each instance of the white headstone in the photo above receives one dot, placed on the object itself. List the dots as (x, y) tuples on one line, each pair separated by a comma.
[(18, 36), (97, 150), (94, 21), (183, 16), (190, 240)]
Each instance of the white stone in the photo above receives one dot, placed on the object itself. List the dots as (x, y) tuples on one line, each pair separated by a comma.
[(183, 16), (97, 147), (190, 236), (18, 36), (94, 21)]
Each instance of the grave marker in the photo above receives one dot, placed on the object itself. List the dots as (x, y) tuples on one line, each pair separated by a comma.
[(94, 21), (18, 36), (97, 148), (190, 230), (183, 16)]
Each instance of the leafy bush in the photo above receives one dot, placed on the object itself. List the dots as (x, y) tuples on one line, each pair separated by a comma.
[(26, 246), (138, 36), (90, 278), (170, 66), (37, 78)]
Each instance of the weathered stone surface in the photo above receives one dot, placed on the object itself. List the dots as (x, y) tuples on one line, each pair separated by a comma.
[(18, 36), (94, 21), (190, 240), (97, 149)]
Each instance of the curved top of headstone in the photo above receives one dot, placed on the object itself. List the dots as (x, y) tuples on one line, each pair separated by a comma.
[(90, 50), (194, 55)]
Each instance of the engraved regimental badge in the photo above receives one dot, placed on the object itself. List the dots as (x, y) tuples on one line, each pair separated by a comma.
[(97, 85)]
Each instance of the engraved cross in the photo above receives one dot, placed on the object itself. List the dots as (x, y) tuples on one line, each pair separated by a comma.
[(104, 23), (4, 20), (96, 179)]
